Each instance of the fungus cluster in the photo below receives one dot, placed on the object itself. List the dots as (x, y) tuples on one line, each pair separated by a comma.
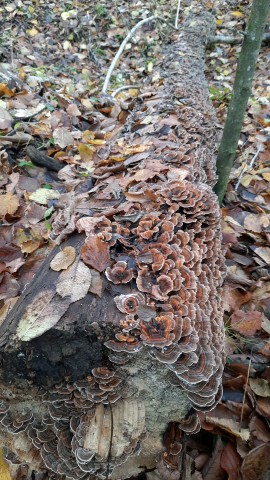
[(170, 256), (65, 435)]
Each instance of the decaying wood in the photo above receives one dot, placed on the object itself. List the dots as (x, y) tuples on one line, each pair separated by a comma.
[(120, 333), (43, 160)]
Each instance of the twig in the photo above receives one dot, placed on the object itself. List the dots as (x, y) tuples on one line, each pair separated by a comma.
[(123, 45), (248, 167), (43, 160), (125, 87), (232, 40), (177, 14), (244, 397)]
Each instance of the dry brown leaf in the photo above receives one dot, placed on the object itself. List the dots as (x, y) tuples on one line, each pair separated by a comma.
[(63, 137), (246, 323), (6, 120), (96, 253), (74, 282), (260, 386), (251, 223), (264, 253), (42, 314), (96, 283), (9, 286), (229, 425), (230, 461), (6, 307), (63, 259), (256, 464), (263, 406), (9, 203), (259, 429)]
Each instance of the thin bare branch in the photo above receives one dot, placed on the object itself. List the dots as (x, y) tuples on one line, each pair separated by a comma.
[(244, 397), (125, 87), (177, 14), (123, 45)]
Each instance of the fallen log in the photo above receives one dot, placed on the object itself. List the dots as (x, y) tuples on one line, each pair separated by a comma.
[(120, 334)]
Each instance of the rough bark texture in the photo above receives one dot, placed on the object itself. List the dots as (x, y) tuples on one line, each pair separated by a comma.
[(99, 359)]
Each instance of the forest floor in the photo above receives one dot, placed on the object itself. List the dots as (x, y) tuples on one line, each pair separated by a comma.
[(60, 53)]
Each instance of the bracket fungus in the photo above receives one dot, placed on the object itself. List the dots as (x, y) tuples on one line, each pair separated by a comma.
[(142, 341)]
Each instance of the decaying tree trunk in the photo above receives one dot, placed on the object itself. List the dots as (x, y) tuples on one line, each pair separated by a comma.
[(120, 334)]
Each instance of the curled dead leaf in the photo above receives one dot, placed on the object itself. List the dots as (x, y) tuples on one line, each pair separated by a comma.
[(9, 203), (96, 253), (63, 259), (260, 386)]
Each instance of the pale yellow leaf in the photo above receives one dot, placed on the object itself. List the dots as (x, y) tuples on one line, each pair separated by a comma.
[(266, 176), (41, 315), (86, 152), (4, 469), (74, 282), (236, 13), (63, 259), (8, 204), (32, 32), (43, 195)]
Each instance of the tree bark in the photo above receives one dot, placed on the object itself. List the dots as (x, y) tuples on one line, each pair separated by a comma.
[(83, 396)]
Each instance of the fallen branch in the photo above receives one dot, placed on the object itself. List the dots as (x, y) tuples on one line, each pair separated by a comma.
[(125, 87), (233, 40), (177, 14), (43, 160), (123, 45)]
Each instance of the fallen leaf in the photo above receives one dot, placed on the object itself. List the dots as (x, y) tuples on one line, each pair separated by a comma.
[(73, 110), (259, 429), (5, 309), (6, 120), (236, 13), (251, 223), (5, 91), (256, 464), (263, 406), (9, 203), (246, 323), (260, 386), (266, 176), (264, 253), (63, 259), (63, 137), (230, 461), (86, 152), (41, 315), (96, 283), (32, 32), (229, 425), (96, 253), (43, 195), (4, 468), (74, 282)]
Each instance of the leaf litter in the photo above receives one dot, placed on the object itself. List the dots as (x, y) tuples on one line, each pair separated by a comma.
[(60, 54)]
